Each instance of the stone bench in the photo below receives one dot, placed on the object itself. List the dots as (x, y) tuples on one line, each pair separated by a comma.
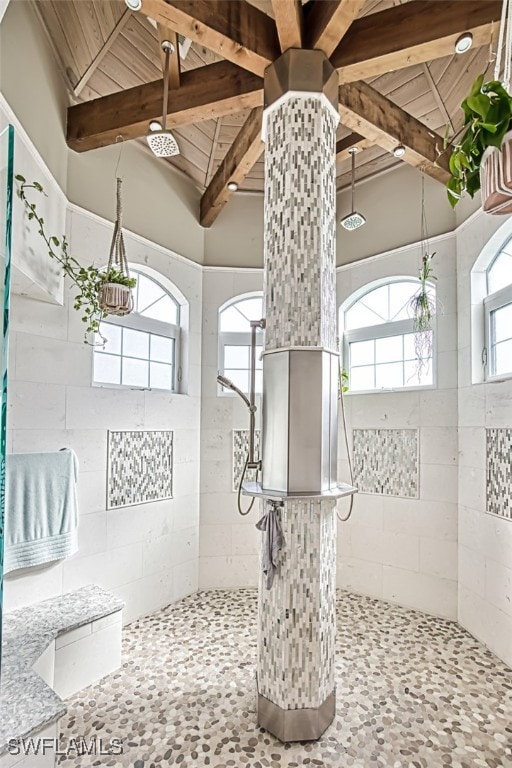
[(51, 650)]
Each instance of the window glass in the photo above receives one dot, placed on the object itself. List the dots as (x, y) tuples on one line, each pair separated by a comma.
[(135, 372), (237, 317), (141, 348), (235, 342), (382, 305), (499, 274), (107, 369), (498, 314), (501, 340), (151, 300), (379, 340)]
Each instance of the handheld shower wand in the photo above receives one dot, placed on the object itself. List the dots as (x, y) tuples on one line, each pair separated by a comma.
[(250, 463), (225, 382)]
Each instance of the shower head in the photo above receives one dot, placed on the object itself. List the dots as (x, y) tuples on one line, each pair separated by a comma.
[(225, 382), (161, 141), (353, 220)]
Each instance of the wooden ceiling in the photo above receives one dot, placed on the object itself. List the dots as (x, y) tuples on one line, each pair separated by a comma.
[(103, 48)]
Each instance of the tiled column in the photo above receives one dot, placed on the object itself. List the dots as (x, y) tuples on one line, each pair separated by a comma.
[(297, 620)]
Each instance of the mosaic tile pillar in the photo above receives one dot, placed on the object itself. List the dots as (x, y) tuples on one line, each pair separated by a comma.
[(297, 618)]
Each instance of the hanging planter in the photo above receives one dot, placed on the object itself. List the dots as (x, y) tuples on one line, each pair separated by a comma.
[(482, 156), (423, 308), (115, 294), (496, 178)]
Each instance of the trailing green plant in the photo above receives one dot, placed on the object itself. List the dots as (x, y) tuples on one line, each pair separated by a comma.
[(487, 118), (342, 382), (423, 308), (113, 275), (86, 280)]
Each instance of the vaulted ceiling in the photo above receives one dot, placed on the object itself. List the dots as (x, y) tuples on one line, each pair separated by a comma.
[(103, 48)]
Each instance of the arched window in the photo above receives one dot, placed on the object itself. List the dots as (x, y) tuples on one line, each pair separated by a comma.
[(235, 339), (142, 349), (498, 314), (379, 340)]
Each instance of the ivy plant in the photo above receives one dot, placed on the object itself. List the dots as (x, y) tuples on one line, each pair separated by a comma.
[(487, 118), (87, 281), (342, 381)]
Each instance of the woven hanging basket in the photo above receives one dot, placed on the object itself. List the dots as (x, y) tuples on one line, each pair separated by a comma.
[(496, 178), (115, 298)]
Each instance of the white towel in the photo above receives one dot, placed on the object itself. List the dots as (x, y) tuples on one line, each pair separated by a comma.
[(41, 508)]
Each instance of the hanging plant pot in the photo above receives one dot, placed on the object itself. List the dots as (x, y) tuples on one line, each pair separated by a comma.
[(115, 293), (116, 299), (496, 178)]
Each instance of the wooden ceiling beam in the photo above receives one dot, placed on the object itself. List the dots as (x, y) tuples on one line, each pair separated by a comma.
[(105, 48), (236, 31), (352, 140), (412, 33), (327, 22), (370, 114), (205, 93), (166, 34), (289, 22), (240, 158)]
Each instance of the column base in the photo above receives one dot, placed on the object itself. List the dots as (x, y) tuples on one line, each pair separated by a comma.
[(296, 724)]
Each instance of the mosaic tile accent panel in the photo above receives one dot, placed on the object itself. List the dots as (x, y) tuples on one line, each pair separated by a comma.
[(297, 617), (139, 467), (299, 223), (240, 450), (413, 691), (499, 472), (386, 462)]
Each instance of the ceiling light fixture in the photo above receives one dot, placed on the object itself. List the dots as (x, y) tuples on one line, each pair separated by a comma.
[(354, 220), (161, 141), (232, 186), (464, 42), (134, 5), (399, 150)]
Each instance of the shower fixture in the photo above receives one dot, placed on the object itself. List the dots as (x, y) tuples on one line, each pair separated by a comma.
[(228, 384), (251, 462), (161, 141), (354, 220)]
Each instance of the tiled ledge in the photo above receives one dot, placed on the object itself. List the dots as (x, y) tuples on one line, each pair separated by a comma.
[(27, 703)]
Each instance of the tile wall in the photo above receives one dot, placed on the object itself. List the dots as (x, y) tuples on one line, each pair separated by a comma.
[(485, 409), (229, 543), (147, 554), (405, 549), (402, 549)]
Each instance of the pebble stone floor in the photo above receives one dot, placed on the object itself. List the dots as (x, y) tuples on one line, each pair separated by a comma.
[(412, 691)]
